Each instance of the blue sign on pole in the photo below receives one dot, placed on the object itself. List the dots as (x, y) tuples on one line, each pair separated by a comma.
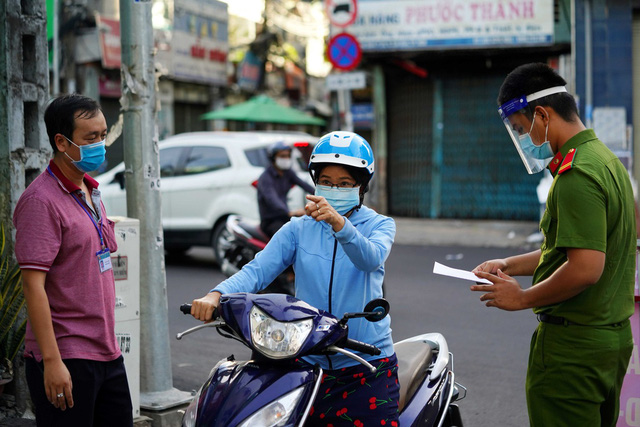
[(362, 115), (344, 51)]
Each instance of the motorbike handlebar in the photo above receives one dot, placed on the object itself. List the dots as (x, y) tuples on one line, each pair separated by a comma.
[(362, 347), (186, 309)]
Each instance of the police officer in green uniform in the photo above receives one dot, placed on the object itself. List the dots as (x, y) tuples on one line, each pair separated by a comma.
[(584, 273)]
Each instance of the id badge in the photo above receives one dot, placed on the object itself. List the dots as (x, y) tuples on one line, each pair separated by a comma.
[(104, 260)]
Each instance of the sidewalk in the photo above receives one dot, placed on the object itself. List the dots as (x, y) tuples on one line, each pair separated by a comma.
[(476, 233)]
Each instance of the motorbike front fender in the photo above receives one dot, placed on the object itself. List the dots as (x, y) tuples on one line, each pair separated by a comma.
[(236, 390)]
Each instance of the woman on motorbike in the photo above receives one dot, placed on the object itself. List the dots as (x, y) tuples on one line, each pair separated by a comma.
[(337, 250)]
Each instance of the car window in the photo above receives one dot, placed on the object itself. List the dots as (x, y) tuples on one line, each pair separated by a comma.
[(206, 159), (169, 158), (258, 157)]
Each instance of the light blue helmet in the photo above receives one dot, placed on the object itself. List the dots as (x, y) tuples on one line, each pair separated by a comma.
[(343, 148), (277, 147)]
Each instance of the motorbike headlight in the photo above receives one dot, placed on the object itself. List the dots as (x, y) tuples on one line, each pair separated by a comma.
[(275, 339), (276, 413)]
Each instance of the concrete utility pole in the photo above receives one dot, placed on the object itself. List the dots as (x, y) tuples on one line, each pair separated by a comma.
[(142, 174), (24, 92)]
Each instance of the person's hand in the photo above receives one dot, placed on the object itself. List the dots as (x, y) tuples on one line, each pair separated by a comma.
[(319, 209), (298, 212), (505, 292), (58, 385), (492, 266), (202, 308)]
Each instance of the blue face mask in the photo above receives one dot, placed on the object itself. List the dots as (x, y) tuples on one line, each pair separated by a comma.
[(540, 152), (91, 155), (340, 199)]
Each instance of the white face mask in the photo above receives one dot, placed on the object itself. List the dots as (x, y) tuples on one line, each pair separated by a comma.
[(283, 163), (340, 199)]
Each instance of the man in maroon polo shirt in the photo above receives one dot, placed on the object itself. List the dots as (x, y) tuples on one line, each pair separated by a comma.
[(74, 366)]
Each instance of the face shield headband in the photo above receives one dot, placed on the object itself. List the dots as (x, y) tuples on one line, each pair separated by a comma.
[(522, 140)]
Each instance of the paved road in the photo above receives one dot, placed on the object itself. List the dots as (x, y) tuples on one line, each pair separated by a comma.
[(490, 346)]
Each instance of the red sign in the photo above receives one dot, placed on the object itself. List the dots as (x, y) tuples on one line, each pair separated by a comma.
[(341, 13), (344, 51), (110, 42)]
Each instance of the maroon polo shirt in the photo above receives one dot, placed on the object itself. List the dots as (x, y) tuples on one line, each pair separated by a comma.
[(56, 235)]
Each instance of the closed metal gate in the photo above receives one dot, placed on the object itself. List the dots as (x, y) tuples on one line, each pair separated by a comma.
[(410, 104), (464, 165)]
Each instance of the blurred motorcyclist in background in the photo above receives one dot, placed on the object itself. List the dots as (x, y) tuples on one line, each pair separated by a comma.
[(273, 186)]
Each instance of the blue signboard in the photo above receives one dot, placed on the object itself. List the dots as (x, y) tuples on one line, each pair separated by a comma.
[(249, 72), (362, 115)]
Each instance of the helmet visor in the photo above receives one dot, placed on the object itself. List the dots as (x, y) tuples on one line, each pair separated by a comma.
[(520, 139)]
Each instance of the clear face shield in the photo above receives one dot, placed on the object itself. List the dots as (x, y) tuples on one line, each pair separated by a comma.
[(513, 113)]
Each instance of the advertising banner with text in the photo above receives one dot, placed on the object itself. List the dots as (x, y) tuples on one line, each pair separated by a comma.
[(391, 25), (200, 42)]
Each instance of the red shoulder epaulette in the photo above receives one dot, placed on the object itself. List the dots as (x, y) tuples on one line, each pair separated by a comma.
[(567, 163), (555, 162)]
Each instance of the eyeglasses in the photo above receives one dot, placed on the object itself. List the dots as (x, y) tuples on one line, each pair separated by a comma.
[(340, 185)]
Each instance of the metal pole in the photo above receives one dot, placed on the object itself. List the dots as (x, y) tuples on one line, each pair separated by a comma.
[(588, 65), (56, 48), (142, 173), (573, 88), (348, 117), (437, 151)]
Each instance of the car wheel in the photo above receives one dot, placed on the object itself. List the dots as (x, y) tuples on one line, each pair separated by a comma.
[(220, 241)]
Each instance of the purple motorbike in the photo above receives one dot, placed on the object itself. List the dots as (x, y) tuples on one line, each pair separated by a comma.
[(273, 389)]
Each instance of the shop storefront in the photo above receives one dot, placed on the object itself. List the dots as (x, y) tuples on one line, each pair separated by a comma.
[(443, 63)]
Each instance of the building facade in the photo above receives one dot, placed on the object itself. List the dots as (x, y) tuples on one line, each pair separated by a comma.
[(439, 66)]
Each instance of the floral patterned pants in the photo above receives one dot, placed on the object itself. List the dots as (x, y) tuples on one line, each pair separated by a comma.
[(355, 396)]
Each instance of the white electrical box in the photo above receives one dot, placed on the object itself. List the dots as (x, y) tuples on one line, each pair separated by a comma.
[(126, 271)]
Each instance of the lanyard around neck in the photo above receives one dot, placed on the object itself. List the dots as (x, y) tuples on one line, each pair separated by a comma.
[(93, 221)]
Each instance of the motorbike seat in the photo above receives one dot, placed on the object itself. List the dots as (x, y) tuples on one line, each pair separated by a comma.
[(254, 230), (414, 359)]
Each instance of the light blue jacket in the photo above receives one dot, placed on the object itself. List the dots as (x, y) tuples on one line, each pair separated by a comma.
[(337, 272)]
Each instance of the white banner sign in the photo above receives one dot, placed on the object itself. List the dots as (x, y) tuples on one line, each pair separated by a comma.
[(346, 81), (384, 25), (199, 43)]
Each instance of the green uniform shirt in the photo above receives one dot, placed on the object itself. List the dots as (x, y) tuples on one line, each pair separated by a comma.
[(590, 206)]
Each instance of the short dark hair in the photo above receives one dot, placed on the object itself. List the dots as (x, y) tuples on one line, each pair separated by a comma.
[(530, 78), (62, 112)]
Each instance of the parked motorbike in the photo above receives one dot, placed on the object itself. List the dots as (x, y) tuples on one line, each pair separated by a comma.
[(273, 390), (244, 239)]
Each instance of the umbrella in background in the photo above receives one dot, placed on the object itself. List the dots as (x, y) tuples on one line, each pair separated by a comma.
[(263, 109)]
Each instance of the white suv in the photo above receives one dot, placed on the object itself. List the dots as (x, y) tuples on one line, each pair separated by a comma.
[(207, 176)]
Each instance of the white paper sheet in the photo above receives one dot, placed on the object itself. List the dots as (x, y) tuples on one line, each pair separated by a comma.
[(459, 274)]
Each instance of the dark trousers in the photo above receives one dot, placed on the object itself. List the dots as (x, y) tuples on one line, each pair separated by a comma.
[(270, 226), (100, 395)]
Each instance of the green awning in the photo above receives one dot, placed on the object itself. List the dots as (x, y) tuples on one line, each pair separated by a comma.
[(263, 109)]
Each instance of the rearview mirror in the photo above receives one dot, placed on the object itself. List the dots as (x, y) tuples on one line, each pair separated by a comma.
[(379, 308)]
